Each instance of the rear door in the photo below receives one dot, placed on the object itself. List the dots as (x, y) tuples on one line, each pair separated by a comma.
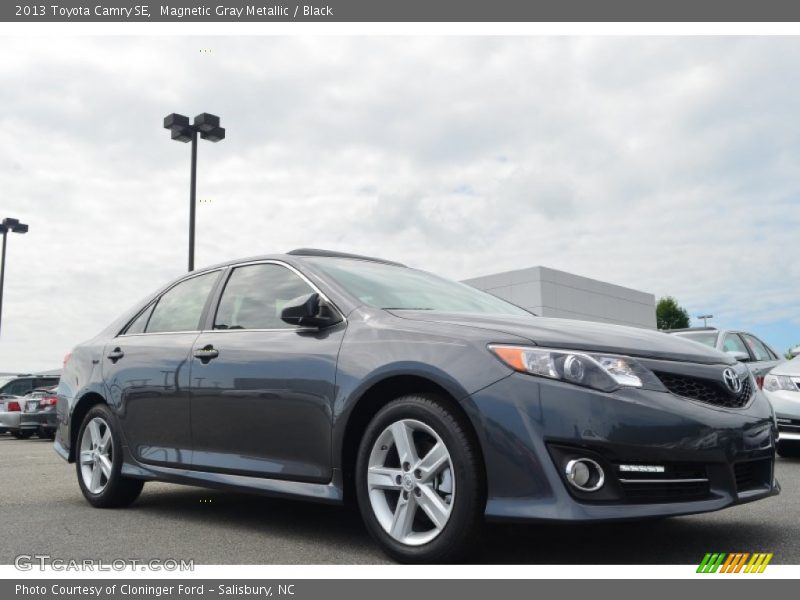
[(263, 390), (146, 371)]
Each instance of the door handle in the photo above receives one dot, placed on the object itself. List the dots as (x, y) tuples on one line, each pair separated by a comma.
[(115, 355), (206, 353)]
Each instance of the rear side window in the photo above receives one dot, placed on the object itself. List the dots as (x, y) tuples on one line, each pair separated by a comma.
[(255, 296), (19, 387), (139, 323), (47, 382), (757, 347), (733, 343), (180, 308)]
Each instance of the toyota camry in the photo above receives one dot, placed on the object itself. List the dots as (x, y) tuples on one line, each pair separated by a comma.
[(432, 405)]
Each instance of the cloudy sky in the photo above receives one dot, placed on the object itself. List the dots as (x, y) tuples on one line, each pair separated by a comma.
[(671, 165)]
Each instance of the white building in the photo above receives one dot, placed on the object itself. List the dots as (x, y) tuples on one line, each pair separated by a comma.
[(551, 293)]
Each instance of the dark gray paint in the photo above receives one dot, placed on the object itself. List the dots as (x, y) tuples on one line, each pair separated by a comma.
[(271, 413)]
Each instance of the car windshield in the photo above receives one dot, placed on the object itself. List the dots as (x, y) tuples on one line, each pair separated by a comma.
[(709, 338), (400, 288), (4, 379)]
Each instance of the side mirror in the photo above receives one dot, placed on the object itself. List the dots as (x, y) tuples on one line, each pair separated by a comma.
[(309, 311), (739, 355)]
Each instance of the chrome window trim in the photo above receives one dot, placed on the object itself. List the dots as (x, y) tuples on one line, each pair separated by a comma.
[(270, 261), (155, 302)]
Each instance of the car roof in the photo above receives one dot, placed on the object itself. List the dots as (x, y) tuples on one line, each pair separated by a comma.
[(300, 254)]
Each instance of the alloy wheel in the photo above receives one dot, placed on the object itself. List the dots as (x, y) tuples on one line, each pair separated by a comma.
[(96, 455), (411, 482)]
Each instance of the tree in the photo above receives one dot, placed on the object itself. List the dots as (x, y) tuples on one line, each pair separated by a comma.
[(670, 314)]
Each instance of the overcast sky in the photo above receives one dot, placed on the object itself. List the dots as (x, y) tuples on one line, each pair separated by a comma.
[(670, 165)]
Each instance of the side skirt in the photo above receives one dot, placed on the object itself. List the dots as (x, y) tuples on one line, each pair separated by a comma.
[(316, 492)]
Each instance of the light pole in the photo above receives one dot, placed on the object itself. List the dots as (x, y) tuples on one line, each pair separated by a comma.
[(207, 125), (705, 319), (14, 226)]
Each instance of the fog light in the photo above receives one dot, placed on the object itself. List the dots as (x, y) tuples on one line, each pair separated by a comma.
[(585, 474)]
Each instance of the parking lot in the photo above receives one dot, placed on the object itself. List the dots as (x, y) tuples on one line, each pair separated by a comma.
[(43, 512)]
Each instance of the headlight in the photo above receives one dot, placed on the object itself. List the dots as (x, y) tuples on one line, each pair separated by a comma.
[(773, 383), (597, 371)]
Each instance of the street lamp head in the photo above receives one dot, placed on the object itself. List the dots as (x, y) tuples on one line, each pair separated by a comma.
[(206, 122), (179, 126), (214, 135), (13, 225), (175, 120)]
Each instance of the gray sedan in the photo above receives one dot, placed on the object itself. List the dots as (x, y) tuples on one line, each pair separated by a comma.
[(743, 346)]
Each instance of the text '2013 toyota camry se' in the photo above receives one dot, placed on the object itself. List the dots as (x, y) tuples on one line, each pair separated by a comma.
[(434, 405)]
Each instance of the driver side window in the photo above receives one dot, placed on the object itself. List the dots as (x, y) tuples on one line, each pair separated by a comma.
[(255, 296)]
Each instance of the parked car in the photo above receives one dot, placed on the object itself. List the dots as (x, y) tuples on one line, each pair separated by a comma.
[(743, 346), (782, 387), (19, 385), (12, 402), (434, 405), (39, 415), (10, 412), (794, 352)]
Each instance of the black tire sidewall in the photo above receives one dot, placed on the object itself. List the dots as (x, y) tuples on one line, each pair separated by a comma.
[(467, 510)]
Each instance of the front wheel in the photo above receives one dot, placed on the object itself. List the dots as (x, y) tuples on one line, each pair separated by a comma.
[(22, 434), (99, 462), (419, 481)]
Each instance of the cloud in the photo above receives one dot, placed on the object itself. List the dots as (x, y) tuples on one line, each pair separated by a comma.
[(664, 164)]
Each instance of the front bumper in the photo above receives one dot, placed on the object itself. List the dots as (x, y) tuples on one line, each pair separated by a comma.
[(530, 427)]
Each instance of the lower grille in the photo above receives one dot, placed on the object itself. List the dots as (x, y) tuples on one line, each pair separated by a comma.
[(753, 474), (789, 425), (705, 390), (679, 482), (640, 492)]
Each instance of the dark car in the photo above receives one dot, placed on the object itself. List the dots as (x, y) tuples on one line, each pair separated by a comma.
[(328, 376), (40, 415)]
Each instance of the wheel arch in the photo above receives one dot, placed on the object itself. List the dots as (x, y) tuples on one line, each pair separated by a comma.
[(379, 394), (79, 411)]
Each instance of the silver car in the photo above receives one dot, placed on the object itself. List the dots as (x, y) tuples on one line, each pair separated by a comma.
[(743, 346), (782, 387)]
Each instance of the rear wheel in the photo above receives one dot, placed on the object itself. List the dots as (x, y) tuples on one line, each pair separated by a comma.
[(99, 462), (419, 481), (22, 435)]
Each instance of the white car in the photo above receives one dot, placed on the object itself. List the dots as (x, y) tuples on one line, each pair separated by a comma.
[(782, 387)]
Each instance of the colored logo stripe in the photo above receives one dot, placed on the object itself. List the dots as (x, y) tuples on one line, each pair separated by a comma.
[(735, 562)]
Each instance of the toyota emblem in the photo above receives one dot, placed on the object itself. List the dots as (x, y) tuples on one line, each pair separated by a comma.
[(732, 380)]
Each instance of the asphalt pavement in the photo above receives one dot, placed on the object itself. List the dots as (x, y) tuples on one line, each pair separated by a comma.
[(42, 512)]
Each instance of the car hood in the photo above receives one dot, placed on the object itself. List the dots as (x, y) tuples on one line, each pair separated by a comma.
[(581, 335), (791, 367)]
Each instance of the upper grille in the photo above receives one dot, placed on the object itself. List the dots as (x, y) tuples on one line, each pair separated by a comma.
[(706, 390)]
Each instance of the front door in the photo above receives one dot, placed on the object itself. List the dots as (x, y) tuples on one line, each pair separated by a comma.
[(262, 390)]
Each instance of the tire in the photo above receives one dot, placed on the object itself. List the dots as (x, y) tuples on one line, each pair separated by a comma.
[(788, 450), (453, 492), (111, 489), (22, 435)]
